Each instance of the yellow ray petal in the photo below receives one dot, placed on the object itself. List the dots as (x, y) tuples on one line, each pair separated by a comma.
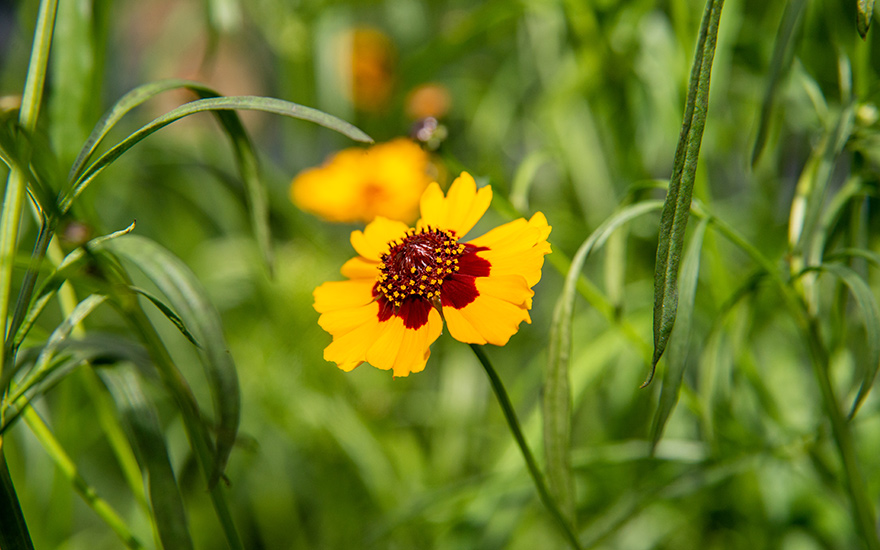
[(460, 210), (510, 288), (461, 328), (360, 268), (350, 350), (342, 321), (488, 319), (384, 348), (373, 241), (415, 346), (343, 294)]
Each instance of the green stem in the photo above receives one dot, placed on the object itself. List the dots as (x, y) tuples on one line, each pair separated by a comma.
[(861, 504), (13, 200), (513, 422), (69, 470)]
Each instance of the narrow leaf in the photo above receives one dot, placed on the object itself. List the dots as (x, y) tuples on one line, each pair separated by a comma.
[(557, 393), (13, 528), (168, 312), (871, 314), (187, 296), (253, 103), (676, 210), (678, 351), (779, 63), (142, 425)]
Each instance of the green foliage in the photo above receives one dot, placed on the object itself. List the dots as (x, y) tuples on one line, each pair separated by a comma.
[(162, 385)]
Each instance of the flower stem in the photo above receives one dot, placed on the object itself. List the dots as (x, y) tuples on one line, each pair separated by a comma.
[(513, 422)]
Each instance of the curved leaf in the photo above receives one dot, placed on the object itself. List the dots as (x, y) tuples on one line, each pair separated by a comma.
[(871, 313), (557, 393), (252, 103), (187, 296)]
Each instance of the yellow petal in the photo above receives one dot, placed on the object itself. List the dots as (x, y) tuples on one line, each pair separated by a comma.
[(401, 349), (490, 318), (360, 268), (510, 288), (415, 346), (373, 241), (383, 350), (461, 328), (350, 349), (335, 295), (517, 247), (460, 210), (343, 321)]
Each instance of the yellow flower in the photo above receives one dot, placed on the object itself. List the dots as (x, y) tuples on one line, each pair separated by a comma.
[(360, 184), (372, 60), (406, 281)]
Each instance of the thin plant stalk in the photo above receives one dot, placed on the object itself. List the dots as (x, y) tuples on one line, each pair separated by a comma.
[(10, 219), (513, 423), (69, 470)]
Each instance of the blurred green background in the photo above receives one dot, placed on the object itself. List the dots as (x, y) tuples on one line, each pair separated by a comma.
[(564, 107)]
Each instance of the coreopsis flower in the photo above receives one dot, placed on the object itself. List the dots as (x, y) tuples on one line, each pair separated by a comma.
[(406, 281), (359, 184)]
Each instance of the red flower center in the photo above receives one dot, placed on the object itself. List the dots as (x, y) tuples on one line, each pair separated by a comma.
[(418, 265), (427, 268)]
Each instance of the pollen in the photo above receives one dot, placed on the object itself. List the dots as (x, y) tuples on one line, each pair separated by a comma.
[(417, 265)]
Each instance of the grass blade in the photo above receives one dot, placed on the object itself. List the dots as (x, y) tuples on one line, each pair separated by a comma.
[(676, 210), (187, 296), (146, 434), (678, 351)]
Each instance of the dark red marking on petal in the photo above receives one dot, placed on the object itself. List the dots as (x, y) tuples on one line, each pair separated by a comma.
[(459, 291), (471, 264), (386, 309), (414, 312)]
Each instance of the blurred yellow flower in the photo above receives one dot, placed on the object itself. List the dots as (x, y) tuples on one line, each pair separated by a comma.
[(359, 184), (405, 282), (372, 69)]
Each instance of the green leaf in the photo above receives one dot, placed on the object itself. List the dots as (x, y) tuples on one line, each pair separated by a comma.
[(13, 529), (172, 316), (253, 103), (779, 63), (676, 210), (678, 351), (871, 313), (145, 432), (866, 12), (187, 296), (556, 401)]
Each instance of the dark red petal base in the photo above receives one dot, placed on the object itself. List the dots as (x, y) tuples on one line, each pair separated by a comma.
[(457, 291)]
